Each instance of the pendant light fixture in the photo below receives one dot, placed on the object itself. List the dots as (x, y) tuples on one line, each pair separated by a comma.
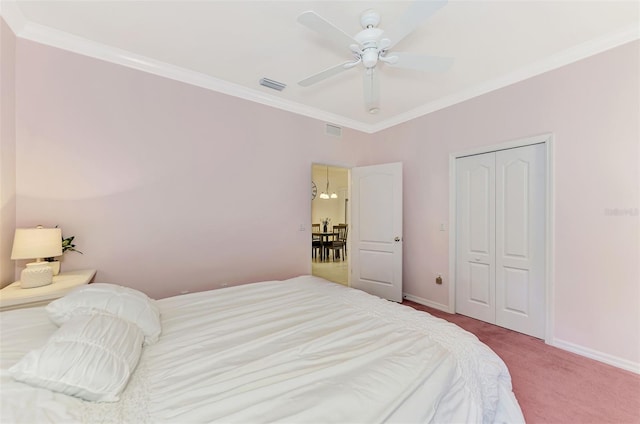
[(325, 194)]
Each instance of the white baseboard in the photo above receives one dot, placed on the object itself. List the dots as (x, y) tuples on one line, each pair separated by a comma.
[(625, 364), (426, 302)]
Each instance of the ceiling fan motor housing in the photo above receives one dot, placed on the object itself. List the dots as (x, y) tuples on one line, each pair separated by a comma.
[(368, 39), (370, 57)]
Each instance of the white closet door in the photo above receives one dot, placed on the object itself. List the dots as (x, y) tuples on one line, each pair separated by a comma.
[(500, 238), (475, 245), (520, 241)]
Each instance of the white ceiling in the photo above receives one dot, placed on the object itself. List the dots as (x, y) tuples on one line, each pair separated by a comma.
[(228, 46)]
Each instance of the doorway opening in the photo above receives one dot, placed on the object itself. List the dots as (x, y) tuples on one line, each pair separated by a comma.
[(330, 209)]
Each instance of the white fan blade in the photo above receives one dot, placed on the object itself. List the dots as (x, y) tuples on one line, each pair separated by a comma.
[(371, 90), (417, 13), (325, 28), (419, 62), (329, 72)]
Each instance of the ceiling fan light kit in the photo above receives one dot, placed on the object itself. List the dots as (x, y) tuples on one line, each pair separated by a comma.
[(372, 46)]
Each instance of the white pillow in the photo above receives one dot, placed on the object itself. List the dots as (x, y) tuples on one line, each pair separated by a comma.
[(90, 356), (124, 302)]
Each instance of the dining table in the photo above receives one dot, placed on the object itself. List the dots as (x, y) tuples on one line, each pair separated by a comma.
[(326, 238)]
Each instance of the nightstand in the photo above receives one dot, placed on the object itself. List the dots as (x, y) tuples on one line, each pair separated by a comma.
[(15, 297)]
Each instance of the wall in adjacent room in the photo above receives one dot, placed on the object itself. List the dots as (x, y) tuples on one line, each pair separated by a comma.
[(7, 151), (334, 209), (167, 187), (592, 107)]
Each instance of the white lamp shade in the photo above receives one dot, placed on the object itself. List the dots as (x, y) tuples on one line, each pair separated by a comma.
[(37, 243)]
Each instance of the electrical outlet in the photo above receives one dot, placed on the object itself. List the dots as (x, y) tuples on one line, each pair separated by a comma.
[(438, 279)]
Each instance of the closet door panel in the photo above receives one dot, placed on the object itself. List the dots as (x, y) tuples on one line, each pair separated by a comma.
[(475, 244), (516, 284), (520, 211), (480, 283)]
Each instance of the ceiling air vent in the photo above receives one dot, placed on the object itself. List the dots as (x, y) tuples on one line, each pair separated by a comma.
[(272, 84), (333, 130)]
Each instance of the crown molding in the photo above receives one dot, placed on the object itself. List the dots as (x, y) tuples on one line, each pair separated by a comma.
[(566, 57), (63, 40), (12, 16), (27, 30)]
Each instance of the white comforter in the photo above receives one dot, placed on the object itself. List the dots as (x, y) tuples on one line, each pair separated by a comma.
[(301, 351)]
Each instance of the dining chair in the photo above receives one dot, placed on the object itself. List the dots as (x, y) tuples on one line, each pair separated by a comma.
[(339, 243), (344, 236), (316, 243)]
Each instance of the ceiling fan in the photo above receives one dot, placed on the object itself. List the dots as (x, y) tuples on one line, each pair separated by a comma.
[(371, 46)]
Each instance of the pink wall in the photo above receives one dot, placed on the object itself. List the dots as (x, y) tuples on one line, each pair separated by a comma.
[(170, 187), (593, 109), (7, 151), (166, 186)]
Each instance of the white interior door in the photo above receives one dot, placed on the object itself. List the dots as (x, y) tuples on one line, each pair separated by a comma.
[(376, 230), (500, 239), (520, 239), (475, 245)]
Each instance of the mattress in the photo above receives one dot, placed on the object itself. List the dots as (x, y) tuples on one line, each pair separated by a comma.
[(300, 350)]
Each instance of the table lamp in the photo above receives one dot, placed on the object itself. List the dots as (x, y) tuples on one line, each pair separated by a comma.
[(36, 243)]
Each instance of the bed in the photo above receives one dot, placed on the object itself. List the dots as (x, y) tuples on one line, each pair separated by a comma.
[(302, 350)]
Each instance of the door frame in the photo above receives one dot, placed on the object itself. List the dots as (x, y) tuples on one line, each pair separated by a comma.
[(548, 140), (333, 164)]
